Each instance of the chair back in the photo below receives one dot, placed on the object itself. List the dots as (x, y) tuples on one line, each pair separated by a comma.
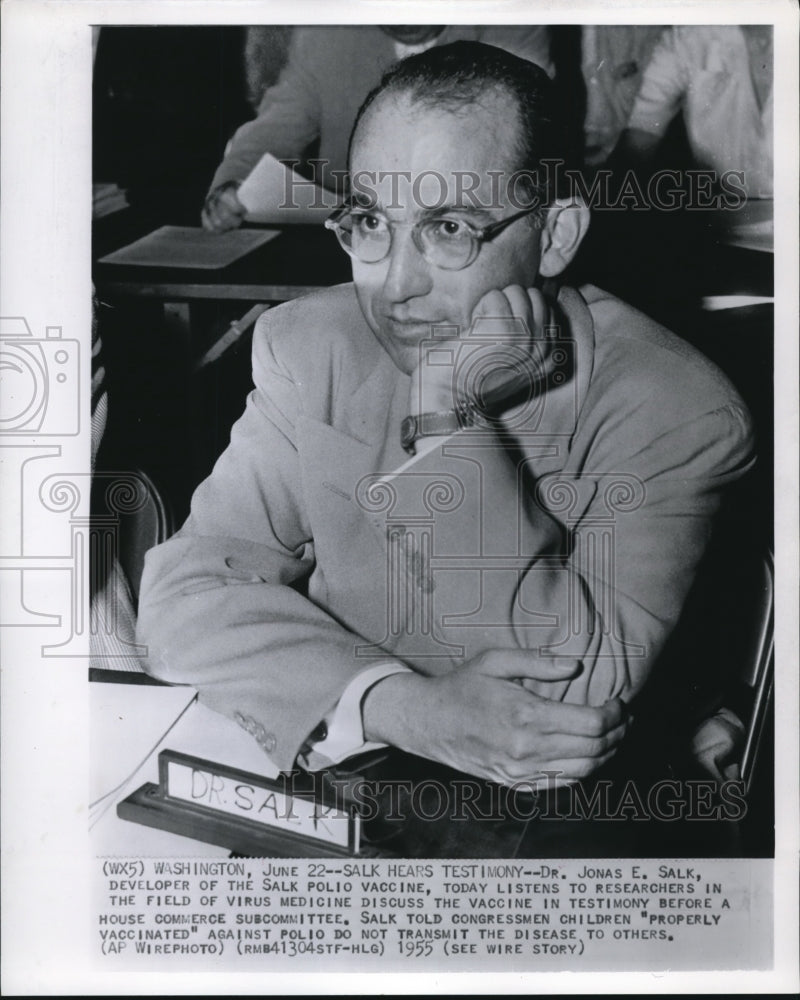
[(758, 671), (147, 526)]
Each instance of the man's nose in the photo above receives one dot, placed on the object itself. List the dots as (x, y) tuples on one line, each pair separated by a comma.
[(409, 274)]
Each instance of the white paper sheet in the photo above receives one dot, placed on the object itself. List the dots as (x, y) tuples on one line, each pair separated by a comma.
[(128, 723), (274, 194)]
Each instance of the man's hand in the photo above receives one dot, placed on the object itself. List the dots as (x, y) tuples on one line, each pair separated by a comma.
[(223, 210), (492, 361), (481, 720)]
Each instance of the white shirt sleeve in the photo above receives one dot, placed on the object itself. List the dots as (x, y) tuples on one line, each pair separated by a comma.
[(663, 86), (344, 726)]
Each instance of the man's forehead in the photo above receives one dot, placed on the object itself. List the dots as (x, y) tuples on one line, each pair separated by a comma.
[(486, 123), (454, 147)]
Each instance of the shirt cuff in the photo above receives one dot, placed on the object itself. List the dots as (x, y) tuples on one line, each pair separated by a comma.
[(345, 727), (650, 118)]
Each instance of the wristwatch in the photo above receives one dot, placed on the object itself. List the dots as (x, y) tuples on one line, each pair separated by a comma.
[(435, 425)]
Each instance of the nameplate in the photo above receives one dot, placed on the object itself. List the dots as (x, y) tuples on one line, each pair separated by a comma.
[(214, 788)]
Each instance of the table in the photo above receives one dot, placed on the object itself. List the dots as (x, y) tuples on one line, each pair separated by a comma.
[(300, 260)]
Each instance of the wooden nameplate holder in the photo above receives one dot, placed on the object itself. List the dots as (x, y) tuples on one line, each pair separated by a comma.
[(299, 815)]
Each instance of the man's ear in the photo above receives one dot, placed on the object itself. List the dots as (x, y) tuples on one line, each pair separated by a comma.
[(564, 227)]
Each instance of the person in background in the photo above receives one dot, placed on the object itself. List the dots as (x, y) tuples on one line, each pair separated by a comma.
[(613, 58), (720, 77), (329, 72)]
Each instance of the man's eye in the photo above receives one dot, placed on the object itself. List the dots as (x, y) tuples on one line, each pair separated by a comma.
[(367, 224), (448, 230)]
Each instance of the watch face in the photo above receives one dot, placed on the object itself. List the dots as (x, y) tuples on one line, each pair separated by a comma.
[(408, 432)]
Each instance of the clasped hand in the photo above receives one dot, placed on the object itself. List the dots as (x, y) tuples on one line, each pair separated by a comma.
[(483, 720)]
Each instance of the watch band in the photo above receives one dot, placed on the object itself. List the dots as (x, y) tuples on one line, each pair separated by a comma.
[(434, 425)]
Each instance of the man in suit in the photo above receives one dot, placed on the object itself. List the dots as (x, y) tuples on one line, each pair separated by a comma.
[(329, 71), (489, 583)]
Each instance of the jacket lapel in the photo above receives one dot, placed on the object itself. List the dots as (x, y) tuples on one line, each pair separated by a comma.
[(544, 433)]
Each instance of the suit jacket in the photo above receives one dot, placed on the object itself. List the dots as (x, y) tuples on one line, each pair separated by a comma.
[(572, 530), (329, 72)]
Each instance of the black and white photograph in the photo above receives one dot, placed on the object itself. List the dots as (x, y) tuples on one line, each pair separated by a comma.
[(399, 437)]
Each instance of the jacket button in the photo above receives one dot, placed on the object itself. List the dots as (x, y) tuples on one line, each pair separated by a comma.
[(267, 742)]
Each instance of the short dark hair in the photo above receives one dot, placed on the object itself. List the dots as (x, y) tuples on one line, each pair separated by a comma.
[(455, 76)]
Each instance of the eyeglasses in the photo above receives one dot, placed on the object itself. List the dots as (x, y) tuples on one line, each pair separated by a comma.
[(448, 243)]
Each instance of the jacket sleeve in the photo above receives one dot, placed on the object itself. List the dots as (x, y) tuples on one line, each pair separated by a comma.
[(288, 118), (222, 603), (634, 553)]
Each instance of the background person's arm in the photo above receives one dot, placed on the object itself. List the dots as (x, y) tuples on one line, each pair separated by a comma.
[(286, 123), (664, 83)]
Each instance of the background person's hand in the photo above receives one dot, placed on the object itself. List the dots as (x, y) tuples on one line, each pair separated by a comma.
[(222, 209), (717, 745), (480, 720)]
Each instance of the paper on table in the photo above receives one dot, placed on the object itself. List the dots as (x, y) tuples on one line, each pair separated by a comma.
[(131, 723), (189, 246), (128, 722), (136, 730), (272, 193), (148, 711)]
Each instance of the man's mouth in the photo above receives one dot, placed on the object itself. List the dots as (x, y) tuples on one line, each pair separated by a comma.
[(412, 322)]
